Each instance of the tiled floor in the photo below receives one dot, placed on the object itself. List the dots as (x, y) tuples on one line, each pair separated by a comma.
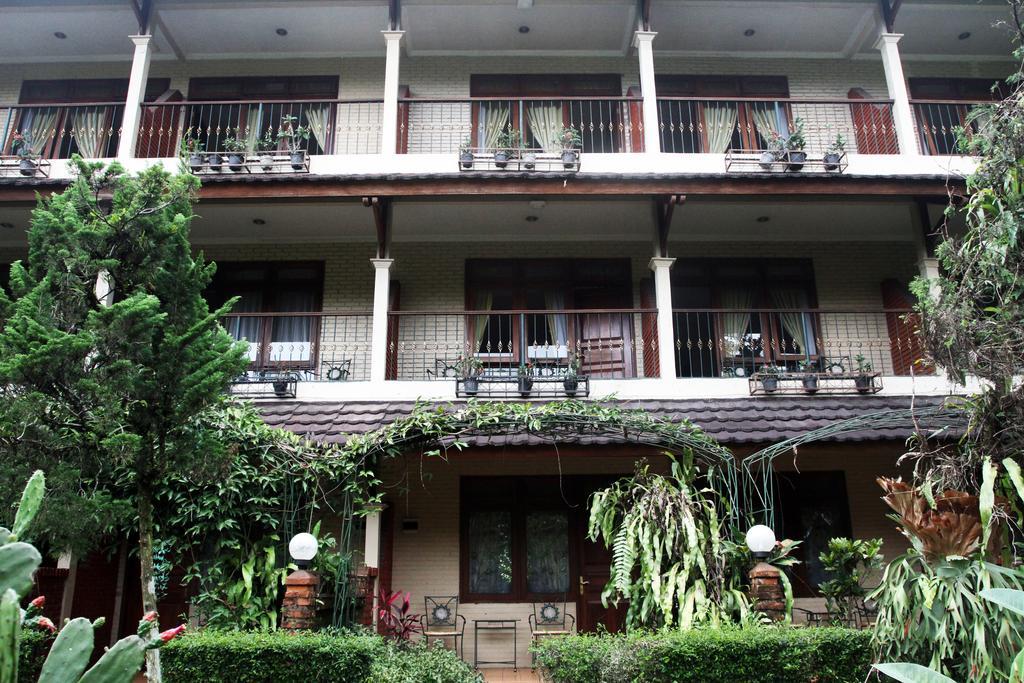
[(524, 675)]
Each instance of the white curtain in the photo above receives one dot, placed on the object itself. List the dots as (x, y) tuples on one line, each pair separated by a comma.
[(39, 129), (557, 323), (291, 339), (797, 325), (546, 126), (493, 119), (247, 328), (88, 128), (720, 120), (316, 118), (253, 123), (766, 123), (481, 302), (735, 325)]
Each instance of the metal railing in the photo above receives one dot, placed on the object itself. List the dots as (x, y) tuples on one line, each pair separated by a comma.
[(441, 125), (939, 121), (56, 131), (606, 344), (737, 343), (335, 126), (303, 347), (701, 125)]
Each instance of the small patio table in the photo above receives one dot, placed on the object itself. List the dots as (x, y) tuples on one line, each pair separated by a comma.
[(496, 625)]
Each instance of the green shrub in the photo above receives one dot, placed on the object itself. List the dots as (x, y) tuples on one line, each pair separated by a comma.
[(765, 655), (259, 657), (34, 646)]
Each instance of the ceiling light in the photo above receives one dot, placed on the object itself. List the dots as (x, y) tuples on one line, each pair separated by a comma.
[(524, 4), (964, 36), (749, 32), (281, 31), (60, 34), (524, 29), (763, 219), (532, 219), (258, 221), (537, 204)]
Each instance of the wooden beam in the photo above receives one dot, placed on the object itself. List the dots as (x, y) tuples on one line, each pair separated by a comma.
[(158, 22), (644, 13), (394, 15), (382, 221), (143, 13), (664, 208), (888, 15), (931, 232)]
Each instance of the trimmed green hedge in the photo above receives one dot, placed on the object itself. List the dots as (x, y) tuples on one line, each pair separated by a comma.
[(764, 655), (281, 657), (33, 647)]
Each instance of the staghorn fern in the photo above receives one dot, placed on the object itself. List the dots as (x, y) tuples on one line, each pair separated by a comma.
[(665, 535)]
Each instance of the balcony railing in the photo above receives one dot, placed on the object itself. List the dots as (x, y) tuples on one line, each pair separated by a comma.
[(606, 344), (440, 126), (335, 126), (56, 131), (301, 347), (737, 343), (938, 122), (698, 125)]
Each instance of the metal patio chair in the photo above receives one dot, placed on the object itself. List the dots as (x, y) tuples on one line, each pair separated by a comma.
[(550, 619), (441, 619)]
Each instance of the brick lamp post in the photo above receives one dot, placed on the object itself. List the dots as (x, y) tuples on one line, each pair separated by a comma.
[(301, 586), (765, 581)]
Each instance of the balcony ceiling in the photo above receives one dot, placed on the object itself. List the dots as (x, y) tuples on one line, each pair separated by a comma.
[(206, 29)]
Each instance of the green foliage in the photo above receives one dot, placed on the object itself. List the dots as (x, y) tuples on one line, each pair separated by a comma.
[(668, 559), (932, 615), (256, 657), (709, 655), (849, 563), (33, 647)]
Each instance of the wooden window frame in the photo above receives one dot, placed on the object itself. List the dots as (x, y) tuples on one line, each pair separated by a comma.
[(518, 507), (218, 293)]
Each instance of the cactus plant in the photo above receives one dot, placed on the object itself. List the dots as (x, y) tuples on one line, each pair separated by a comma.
[(71, 650)]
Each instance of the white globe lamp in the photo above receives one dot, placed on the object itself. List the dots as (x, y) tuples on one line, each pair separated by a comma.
[(303, 548), (761, 541)]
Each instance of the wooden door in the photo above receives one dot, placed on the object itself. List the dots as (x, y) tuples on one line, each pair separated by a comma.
[(905, 346), (160, 129), (594, 569), (606, 339), (873, 128)]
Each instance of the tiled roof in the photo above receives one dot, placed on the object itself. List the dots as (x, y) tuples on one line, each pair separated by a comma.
[(730, 421)]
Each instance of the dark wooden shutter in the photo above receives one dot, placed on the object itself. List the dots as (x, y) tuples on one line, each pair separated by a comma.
[(904, 343), (649, 329), (394, 301), (158, 130), (874, 129)]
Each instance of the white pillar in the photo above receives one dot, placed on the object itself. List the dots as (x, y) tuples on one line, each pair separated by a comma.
[(903, 116), (389, 112), (371, 544), (379, 334), (663, 302), (136, 93), (643, 40)]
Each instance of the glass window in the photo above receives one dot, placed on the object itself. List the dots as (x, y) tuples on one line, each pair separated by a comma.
[(490, 552), (547, 552)]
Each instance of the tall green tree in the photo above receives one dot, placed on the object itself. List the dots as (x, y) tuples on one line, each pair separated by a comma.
[(114, 383)]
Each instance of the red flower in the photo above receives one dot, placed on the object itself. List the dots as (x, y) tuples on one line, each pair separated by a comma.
[(43, 622), (171, 634), (149, 616), (38, 602)]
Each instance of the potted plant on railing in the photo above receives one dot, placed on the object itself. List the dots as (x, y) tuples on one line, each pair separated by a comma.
[(266, 146), (28, 161), (470, 368), (863, 379), (571, 141), (466, 154), (236, 152), (295, 139), (809, 369), (192, 149), (795, 143), (214, 160), (775, 153), (525, 377), (571, 380), (508, 145), (769, 376), (834, 153)]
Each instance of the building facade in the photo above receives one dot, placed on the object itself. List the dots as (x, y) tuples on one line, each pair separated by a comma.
[(680, 258)]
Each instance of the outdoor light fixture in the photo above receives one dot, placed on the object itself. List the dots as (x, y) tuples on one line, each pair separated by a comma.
[(524, 29), (532, 219), (258, 221), (964, 36), (281, 31), (749, 32), (303, 548), (761, 541), (763, 219), (7, 226), (60, 35)]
